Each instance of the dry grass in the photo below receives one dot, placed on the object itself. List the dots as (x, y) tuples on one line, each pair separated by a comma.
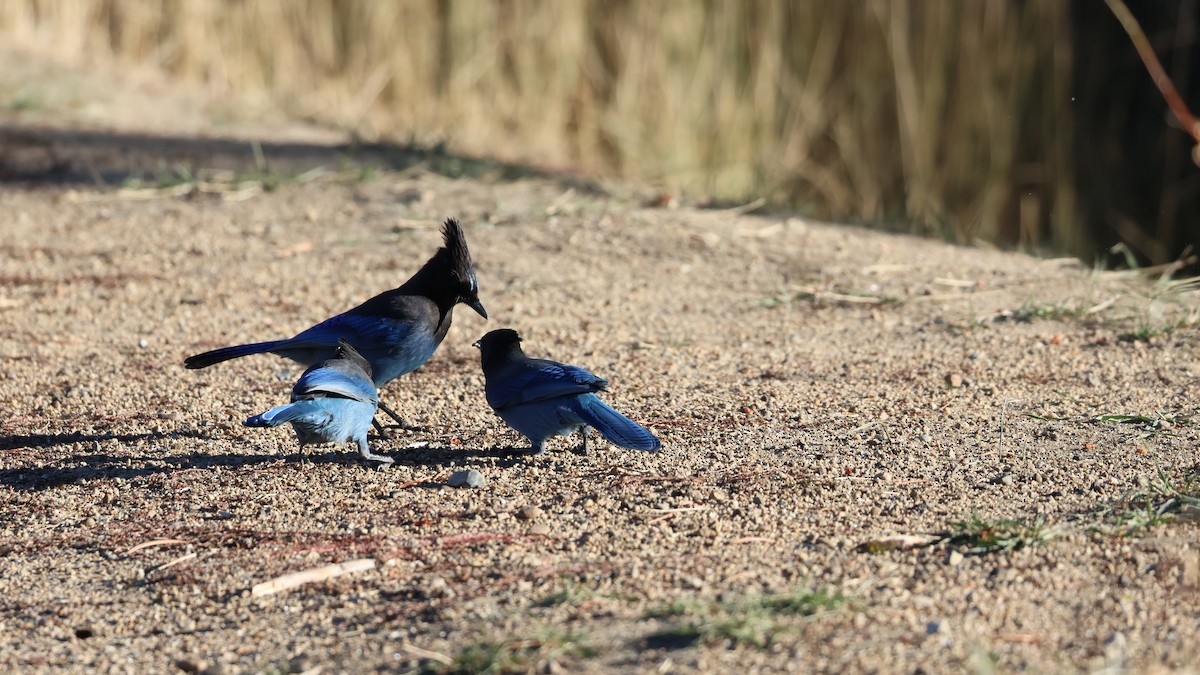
[(943, 116)]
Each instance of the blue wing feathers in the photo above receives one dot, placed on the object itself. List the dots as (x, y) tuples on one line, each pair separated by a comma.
[(392, 347), (333, 383), (548, 380), (285, 413), (357, 329), (617, 428)]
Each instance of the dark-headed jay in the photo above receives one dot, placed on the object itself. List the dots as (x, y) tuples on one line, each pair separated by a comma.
[(396, 331), (542, 398)]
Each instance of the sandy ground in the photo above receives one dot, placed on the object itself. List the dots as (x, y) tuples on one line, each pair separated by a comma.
[(817, 388)]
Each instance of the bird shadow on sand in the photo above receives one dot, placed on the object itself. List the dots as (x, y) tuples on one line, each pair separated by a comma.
[(459, 457), (47, 471), (24, 441)]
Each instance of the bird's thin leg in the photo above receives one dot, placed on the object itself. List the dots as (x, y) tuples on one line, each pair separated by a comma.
[(583, 431), (392, 414), (365, 450), (379, 427)]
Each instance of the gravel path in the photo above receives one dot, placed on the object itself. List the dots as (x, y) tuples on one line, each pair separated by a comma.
[(818, 390)]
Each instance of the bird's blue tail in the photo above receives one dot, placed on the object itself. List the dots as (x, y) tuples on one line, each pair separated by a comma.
[(226, 353), (283, 414), (617, 428)]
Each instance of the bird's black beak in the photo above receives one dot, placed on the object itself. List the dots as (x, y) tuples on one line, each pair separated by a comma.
[(478, 344), (476, 305)]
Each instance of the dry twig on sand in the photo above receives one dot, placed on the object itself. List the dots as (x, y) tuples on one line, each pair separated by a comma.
[(295, 579)]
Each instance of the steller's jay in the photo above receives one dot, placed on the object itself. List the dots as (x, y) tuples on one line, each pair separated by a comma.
[(396, 331), (542, 398), (332, 402)]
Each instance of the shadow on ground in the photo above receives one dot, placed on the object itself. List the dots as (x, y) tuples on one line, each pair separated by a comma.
[(100, 466), (38, 155)]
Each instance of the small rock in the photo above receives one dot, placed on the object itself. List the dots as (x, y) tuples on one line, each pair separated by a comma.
[(1116, 652), (143, 344), (438, 588), (541, 529), (529, 513), (954, 380), (954, 559), (466, 478), (933, 627), (1005, 479)]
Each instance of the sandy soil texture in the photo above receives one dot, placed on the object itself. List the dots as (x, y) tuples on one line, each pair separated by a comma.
[(1029, 427)]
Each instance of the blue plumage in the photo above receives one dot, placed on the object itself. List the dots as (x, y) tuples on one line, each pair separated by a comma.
[(541, 398), (396, 331), (332, 402), (393, 346)]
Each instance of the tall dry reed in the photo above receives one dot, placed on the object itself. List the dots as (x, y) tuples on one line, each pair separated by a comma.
[(941, 117)]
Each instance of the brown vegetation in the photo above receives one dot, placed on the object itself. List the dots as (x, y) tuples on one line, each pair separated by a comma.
[(945, 116)]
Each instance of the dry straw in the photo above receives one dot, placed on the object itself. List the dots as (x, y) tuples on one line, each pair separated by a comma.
[(944, 116)]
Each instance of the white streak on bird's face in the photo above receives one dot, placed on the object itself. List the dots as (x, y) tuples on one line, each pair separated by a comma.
[(472, 283)]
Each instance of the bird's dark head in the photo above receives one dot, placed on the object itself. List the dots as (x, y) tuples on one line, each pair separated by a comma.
[(457, 258), (347, 352), (498, 344)]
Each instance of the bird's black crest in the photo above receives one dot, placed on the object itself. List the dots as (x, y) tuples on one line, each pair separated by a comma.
[(456, 246)]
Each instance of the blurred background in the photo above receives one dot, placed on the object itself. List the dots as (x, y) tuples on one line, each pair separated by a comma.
[(1026, 124)]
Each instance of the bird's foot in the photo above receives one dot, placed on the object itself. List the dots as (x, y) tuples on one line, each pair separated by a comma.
[(384, 460)]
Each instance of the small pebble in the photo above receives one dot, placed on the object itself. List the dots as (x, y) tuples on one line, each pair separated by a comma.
[(541, 529), (466, 478), (438, 588), (529, 513), (954, 380), (954, 559)]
